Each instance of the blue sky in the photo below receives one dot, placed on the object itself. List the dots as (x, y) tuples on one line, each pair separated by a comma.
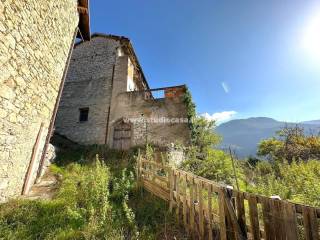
[(239, 58)]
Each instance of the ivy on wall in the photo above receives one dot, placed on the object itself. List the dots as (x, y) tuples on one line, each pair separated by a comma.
[(191, 113)]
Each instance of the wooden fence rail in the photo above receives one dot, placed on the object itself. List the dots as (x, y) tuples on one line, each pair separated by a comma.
[(212, 211)]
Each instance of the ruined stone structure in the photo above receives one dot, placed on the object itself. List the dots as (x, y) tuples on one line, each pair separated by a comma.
[(36, 37), (107, 100)]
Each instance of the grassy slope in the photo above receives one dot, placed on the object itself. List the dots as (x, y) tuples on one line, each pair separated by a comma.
[(95, 201)]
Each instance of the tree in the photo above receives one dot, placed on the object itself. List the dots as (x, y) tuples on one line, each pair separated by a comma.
[(204, 136), (290, 143), (202, 157), (202, 130)]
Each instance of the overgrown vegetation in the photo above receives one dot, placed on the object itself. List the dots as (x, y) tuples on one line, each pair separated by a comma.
[(81, 209), (291, 144), (292, 169), (203, 158), (96, 200), (191, 111), (289, 165), (298, 181), (98, 197)]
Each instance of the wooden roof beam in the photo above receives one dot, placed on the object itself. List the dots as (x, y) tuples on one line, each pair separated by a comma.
[(84, 20)]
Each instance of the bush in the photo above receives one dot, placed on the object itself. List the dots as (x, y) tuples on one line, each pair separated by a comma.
[(96, 200), (81, 209), (298, 181)]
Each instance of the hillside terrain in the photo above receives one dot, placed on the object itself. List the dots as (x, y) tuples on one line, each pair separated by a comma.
[(95, 196), (243, 135)]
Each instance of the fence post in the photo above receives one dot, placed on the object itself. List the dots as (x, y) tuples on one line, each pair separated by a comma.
[(201, 217), (185, 186), (171, 185), (241, 213), (254, 217), (178, 196), (209, 211), (279, 217), (222, 215), (192, 205)]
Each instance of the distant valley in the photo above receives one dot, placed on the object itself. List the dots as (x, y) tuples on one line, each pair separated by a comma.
[(243, 135)]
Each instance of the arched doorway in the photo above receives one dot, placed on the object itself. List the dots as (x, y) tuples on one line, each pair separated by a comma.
[(122, 135)]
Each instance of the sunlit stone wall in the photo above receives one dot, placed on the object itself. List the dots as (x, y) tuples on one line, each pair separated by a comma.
[(35, 38)]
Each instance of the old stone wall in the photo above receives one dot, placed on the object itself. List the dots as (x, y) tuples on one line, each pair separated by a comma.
[(176, 156), (35, 38), (158, 121), (120, 86), (88, 85), (102, 76)]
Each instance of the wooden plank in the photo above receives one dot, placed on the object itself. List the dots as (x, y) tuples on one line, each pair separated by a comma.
[(254, 218), (201, 217), (314, 223), (158, 191), (184, 198), (165, 180), (299, 208), (171, 180), (215, 186), (209, 212), (231, 234), (233, 218), (279, 217), (27, 182), (222, 215), (290, 221), (306, 223), (267, 220), (191, 217), (277, 214), (282, 218), (195, 206), (178, 195), (310, 223), (241, 214)]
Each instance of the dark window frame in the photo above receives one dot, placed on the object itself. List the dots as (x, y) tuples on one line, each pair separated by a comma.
[(83, 114)]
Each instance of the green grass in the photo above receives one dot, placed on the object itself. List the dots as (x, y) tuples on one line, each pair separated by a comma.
[(95, 200), (81, 209)]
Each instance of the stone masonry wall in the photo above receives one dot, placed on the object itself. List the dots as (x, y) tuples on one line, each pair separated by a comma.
[(144, 114), (88, 85), (35, 38), (98, 80)]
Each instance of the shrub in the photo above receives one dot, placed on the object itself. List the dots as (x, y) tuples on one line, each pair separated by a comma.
[(298, 181), (81, 209)]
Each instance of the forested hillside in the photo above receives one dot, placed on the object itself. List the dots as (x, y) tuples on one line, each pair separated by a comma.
[(244, 135)]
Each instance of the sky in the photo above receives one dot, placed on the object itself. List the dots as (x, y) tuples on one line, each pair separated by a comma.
[(240, 59)]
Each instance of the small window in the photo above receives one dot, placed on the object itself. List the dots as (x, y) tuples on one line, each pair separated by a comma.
[(84, 113)]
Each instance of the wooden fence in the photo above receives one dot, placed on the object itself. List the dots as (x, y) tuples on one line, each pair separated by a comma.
[(212, 211)]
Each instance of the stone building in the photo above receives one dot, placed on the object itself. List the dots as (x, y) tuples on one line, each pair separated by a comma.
[(107, 100), (36, 40)]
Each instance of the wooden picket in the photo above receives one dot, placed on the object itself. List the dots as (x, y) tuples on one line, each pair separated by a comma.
[(211, 211)]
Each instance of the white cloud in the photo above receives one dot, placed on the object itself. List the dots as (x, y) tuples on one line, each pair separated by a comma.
[(225, 87), (219, 117)]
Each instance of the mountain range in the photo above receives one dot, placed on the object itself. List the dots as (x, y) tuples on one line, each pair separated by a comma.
[(243, 135)]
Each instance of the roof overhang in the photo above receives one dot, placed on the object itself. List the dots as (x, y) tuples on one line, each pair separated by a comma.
[(84, 20)]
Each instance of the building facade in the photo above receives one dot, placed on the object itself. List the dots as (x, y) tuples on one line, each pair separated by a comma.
[(107, 100), (36, 37)]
